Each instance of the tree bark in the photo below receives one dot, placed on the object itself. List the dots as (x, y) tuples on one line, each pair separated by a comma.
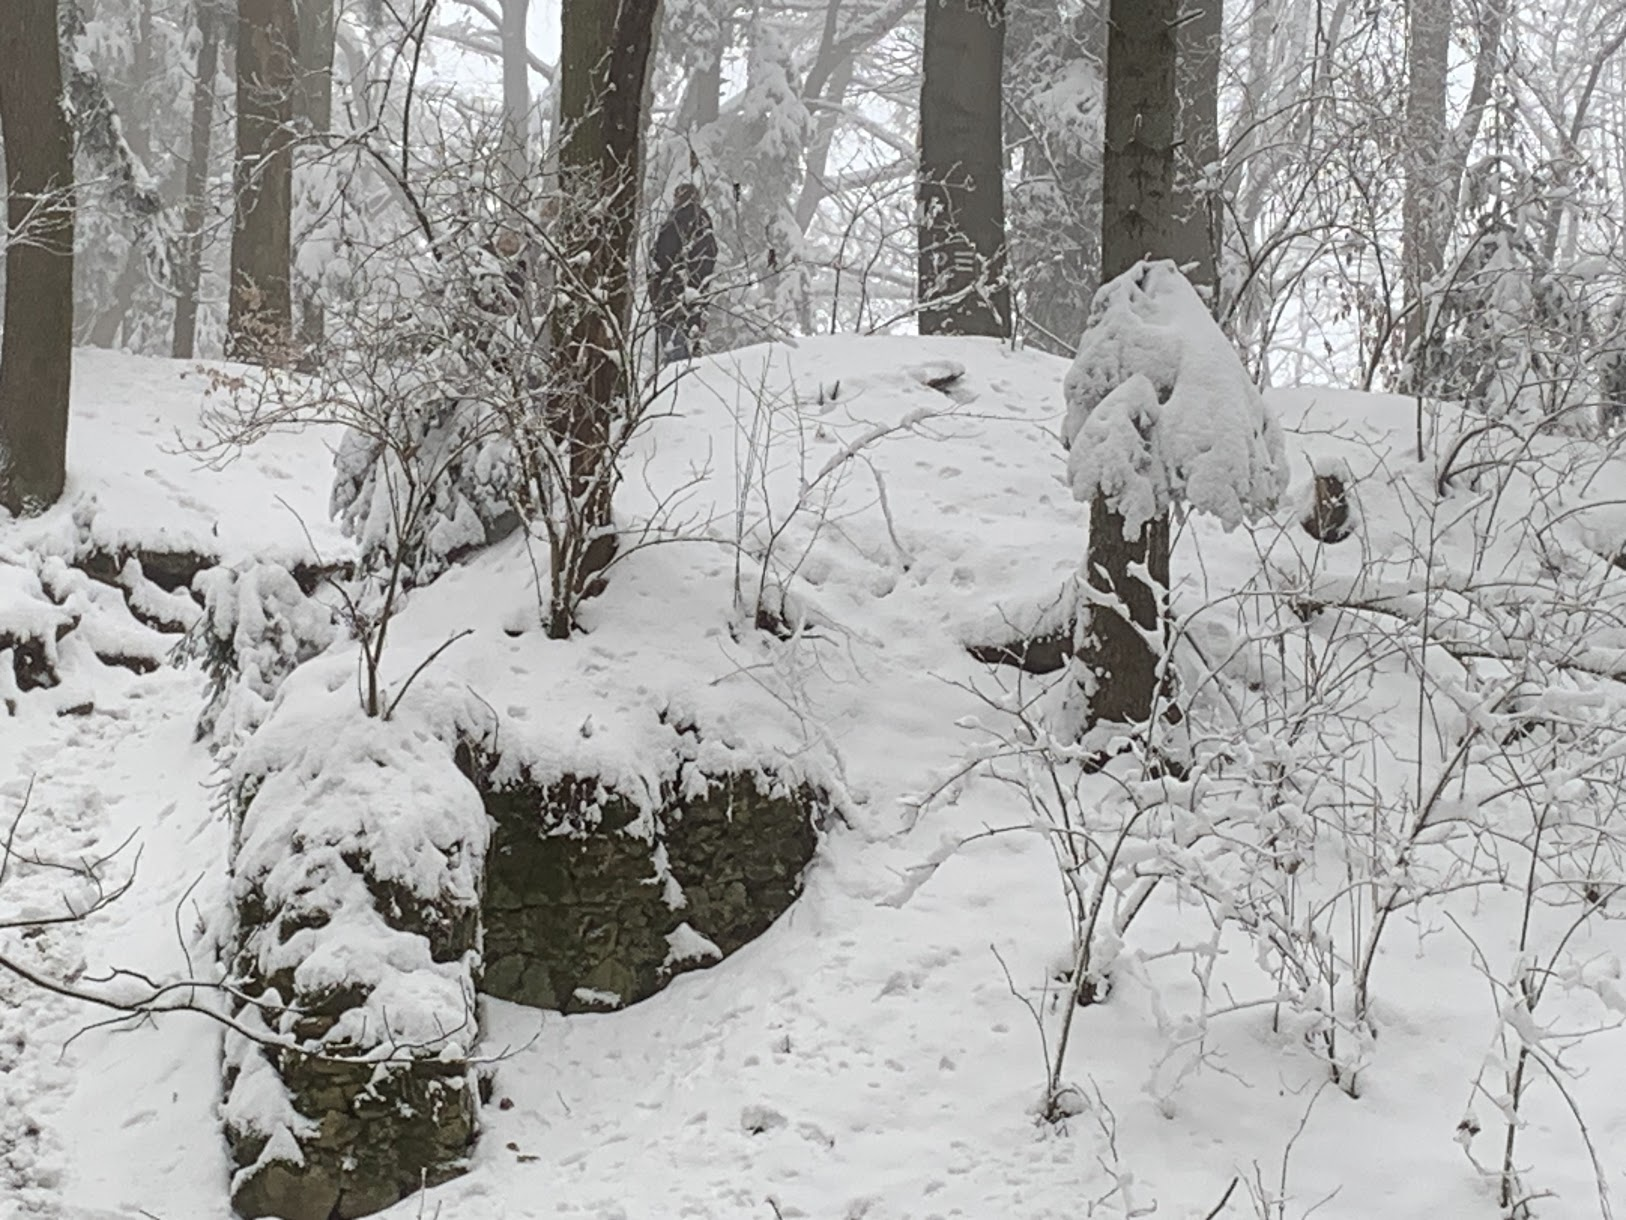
[(516, 98), (259, 324), (189, 267), (313, 103), (1054, 219), (36, 350), (604, 59), (1196, 215), (1122, 671), (318, 24), (1425, 210), (962, 277), (138, 127), (706, 83)]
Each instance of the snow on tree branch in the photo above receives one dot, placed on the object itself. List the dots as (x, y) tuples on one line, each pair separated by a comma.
[(1161, 412)]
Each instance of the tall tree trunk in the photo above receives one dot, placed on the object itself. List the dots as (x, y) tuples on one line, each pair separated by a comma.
[(604, 58), (701, 101), (827, 82), (259, 324), (706, 84), (1138, 196), (962, 281), (318, 23), (137, 127), (36, 350), (815, 184), (189, 267), (516, 100), (1425, 211), (1195, 245), (1055, 216)]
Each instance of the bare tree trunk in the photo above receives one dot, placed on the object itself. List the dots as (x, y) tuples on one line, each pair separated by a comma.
[(1054, 219), (827, 82), (962, 280), (189, 267), (706, 85), (604, 58), (318, 24), (516, 97), (1425, 209), (36, 350), (1196, 206), (1564, 171), (139, 133), (1138, 195), (702, 61), (259, 325)]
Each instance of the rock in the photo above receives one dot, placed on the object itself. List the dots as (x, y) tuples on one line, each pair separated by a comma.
[(1041, 654), (1329, 519), (31, 663), (171, 571), (578, 914), (286, 1190), (362, 1129)]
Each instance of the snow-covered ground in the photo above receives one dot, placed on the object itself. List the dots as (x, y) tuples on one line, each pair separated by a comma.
[(873, 1055)]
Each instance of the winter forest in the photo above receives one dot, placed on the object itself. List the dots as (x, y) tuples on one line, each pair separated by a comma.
[(844, 609)]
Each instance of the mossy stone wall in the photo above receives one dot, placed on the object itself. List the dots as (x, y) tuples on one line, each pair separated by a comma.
[(578, 911)]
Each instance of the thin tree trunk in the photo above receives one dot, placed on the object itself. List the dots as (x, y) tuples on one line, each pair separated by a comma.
[(516, 99), (189, 267), (1196, 213), (36, 350), (1055, 220), (962, 279), (259, 325), (826, 81), (706, 84), (604, 58), (1121, 669), (815, 185), (137, 126), (1425, 211), (1571, 155), (318, 23)]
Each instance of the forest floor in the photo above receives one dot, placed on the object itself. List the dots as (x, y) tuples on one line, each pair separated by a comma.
[(875, 1055)]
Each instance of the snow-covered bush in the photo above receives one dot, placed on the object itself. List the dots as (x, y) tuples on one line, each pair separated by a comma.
[(1162, 420), (1160, 412), (257, 626), (1507, 330), (436, 377), (441, 487)]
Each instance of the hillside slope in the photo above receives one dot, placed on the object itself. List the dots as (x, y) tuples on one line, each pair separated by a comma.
[(876, 1054)]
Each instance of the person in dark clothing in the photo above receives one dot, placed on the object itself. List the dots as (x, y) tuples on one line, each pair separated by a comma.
[(684, 258)]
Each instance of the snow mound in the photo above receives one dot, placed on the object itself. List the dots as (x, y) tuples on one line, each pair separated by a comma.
[(867, 1055), (140, 481)]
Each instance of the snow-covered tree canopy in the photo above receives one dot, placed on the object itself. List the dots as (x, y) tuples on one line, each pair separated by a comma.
[(1160, 411)]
